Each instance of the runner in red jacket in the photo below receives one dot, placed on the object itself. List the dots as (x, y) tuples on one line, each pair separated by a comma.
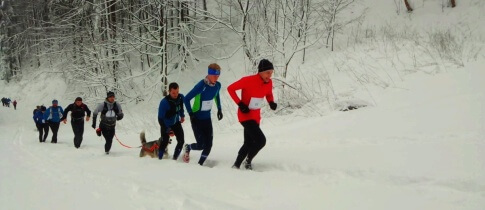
[(253, 90)]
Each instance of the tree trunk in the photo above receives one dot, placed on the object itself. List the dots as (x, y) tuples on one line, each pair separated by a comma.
[(204, 5), (408, 7), (163, 45), (113, 33)]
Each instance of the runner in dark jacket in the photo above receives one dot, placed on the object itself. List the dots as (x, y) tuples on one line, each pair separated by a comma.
[(78, 111)]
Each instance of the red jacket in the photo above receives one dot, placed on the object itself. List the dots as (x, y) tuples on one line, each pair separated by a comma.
[(253, 90)]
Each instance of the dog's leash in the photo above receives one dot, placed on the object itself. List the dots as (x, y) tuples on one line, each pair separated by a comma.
[(124, 144), (151, 149)]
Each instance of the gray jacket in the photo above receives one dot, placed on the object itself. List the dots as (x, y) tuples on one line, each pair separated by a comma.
[(109, 113)]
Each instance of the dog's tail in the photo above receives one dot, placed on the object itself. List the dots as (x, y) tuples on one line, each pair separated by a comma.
[(142, 138)]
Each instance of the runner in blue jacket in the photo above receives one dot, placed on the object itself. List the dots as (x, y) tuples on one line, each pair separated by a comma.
[(40, 123), (204, 94), (52, 117), (170, 116)]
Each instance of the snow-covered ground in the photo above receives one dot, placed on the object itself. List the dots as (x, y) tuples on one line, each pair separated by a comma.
[(422, 147)]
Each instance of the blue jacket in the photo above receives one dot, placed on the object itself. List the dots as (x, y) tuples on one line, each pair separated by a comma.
[(38, 117), (53, 114), (171, 110), (204, 95)]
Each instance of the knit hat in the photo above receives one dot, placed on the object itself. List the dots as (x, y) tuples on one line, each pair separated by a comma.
[(54, 101), (78, 99), (110, 93), (265, 65), (42, 108)]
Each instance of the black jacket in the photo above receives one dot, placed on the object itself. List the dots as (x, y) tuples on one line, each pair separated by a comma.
[(77, 112)]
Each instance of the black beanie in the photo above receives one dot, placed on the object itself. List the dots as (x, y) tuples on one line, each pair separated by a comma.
[(110, 93), (265, 65)]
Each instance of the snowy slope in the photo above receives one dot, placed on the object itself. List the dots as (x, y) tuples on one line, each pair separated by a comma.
[(421, 148)]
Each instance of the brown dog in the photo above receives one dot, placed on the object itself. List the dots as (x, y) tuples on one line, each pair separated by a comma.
[(151, 148)]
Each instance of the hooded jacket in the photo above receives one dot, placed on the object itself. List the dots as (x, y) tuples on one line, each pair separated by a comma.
[(110, 112)]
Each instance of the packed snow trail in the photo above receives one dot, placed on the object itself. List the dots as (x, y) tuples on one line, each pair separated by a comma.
[(421, 147)]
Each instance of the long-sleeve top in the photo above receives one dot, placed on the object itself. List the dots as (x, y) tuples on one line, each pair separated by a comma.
[(204, 95), (171, 110), (39, 117), (53, 114), (109, 113), (253, 90), (77, 112)]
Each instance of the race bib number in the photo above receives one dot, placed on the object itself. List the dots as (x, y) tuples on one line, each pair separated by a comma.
[(255, 103), (206, 105)]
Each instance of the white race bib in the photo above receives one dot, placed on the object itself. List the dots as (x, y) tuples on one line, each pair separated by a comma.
[(255, 103), (206, 105)]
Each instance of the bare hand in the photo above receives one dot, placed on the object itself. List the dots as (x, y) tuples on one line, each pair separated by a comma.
[(64, 121), (182, 120), (87, 119)]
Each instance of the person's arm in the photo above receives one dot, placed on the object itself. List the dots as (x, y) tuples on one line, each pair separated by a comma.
[(64, 114), (36, 117), (192, 93), (181, 111), (269, 95), (232, 88), (218, 103), (162, 110), (61, 111), (270, 98), (99, 108), (88, 112), (46, 114), (120, 114), (218, 98)]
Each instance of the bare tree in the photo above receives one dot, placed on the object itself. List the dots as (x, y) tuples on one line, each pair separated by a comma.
[(408, 6), (453, 3), (330, 11)]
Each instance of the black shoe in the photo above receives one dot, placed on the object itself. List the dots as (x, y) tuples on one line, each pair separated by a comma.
[(235, 167), (107, 153), (248, 165)]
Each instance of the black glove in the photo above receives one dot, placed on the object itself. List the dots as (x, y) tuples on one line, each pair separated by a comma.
[(243, 107), (219, 114), (94, 125), (273, 105), (119, 117)]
